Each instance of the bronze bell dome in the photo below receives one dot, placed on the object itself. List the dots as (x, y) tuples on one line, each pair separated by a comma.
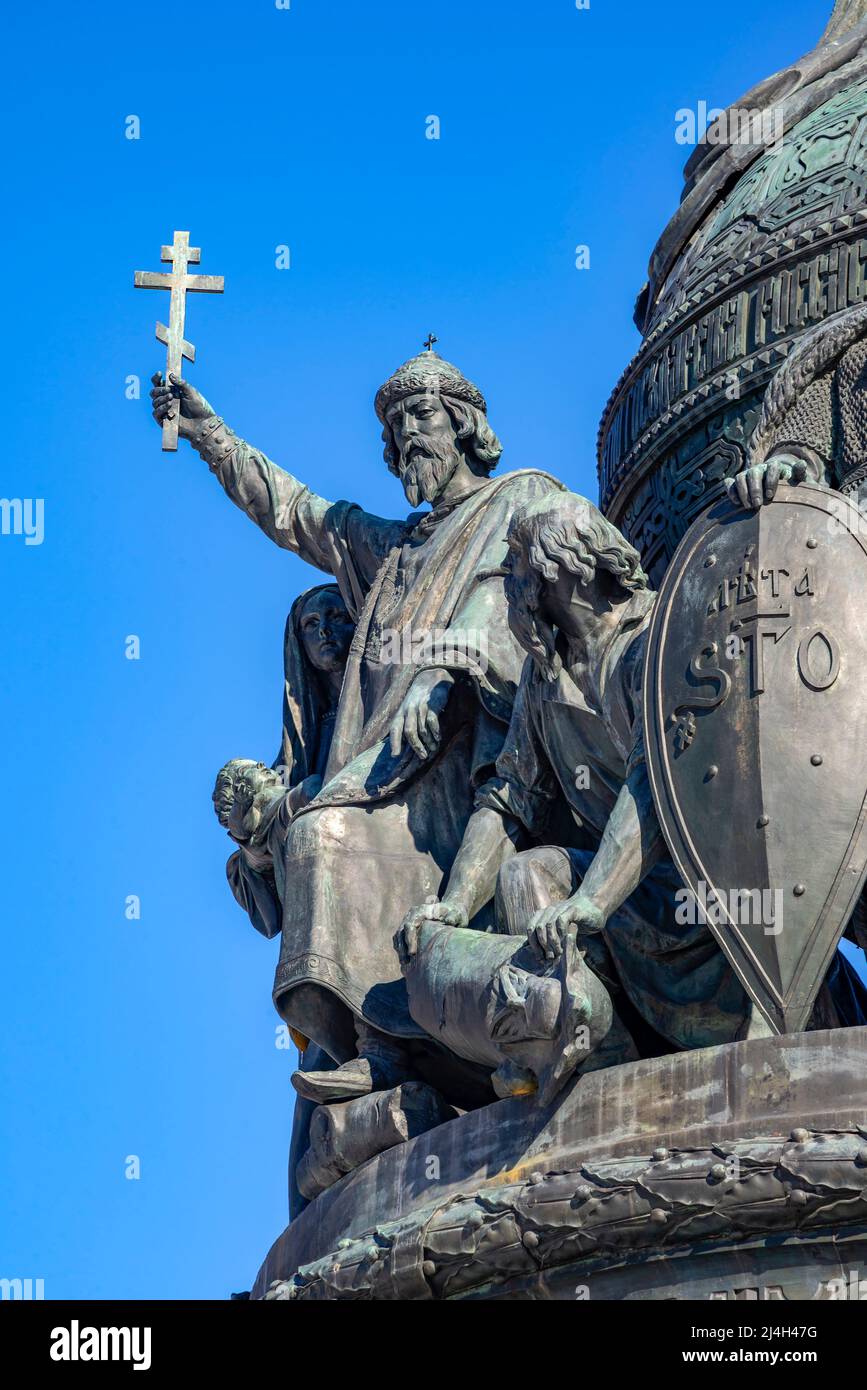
[(770, 240)]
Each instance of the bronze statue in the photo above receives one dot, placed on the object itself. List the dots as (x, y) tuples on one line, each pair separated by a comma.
[(412, 736), (495, 772), (573, 777)]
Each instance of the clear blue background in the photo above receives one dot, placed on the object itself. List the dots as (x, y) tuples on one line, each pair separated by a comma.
[(258, 127)]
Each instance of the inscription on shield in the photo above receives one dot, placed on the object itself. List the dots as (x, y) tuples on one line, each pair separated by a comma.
[(756, 727)]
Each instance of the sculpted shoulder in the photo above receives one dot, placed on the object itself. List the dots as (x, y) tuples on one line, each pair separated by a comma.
[(529, 481)]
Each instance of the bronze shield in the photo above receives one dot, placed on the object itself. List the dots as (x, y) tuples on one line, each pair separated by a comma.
[(756, 725)]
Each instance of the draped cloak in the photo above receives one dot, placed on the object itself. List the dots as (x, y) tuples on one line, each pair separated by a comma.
[(383, 832), (304, 746)]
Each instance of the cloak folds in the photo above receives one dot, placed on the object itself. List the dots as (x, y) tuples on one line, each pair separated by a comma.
[(383, 832), (304, 747)]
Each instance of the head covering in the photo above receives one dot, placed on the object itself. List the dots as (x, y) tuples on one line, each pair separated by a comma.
[(303, 706), (427, 372)]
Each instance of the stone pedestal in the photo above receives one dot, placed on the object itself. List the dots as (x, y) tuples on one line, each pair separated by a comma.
[(729, 1172)]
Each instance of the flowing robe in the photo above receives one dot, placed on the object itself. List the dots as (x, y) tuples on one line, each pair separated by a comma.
[(305, 744), (383, 832)]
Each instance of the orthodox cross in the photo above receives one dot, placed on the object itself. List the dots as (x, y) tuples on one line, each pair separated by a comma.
[(429, 342), (181, 254)]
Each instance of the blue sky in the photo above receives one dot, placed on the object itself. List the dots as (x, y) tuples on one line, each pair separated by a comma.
[(259, 127)]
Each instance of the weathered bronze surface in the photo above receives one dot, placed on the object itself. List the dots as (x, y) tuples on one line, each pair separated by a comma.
[(753, 692), (769, 240), (348, 1133), (508, 768), (698, 1175), (177, 282)]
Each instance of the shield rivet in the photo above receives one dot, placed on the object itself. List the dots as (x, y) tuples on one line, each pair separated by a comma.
[(717, 1172), (711, 772), (800, 1136), (799, 890), (816, 760), (711, 560), (762, 822), (812, 543), (660, 1155)]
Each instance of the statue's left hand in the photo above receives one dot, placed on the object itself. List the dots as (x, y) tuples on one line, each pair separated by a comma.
[(548, 926), (417, 720)]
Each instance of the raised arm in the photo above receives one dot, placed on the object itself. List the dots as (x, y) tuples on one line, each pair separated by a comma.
[(285, 509)]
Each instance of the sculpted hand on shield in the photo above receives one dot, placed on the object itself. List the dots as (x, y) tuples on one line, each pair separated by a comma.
[(758, 484)]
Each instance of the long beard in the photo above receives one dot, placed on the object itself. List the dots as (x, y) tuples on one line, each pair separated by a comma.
[(427, 473)]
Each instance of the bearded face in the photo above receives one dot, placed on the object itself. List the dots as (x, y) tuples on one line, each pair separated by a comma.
[(425, 467), (427, 447)]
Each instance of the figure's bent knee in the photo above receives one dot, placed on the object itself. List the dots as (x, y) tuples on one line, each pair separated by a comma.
[(529, 881)]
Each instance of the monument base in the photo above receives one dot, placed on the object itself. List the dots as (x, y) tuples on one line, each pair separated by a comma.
[(728, 1172)]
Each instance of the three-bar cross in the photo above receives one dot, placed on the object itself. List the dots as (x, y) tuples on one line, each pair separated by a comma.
[(181, 254)]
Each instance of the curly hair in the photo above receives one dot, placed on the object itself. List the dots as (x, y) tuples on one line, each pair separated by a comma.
[(478, 439), (563, 531)]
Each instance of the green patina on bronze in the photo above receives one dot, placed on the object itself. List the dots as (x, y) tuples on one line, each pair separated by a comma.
[(767, 243)]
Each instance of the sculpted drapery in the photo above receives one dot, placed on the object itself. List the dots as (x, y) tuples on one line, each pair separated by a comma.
[(305, 742), (382, 833)]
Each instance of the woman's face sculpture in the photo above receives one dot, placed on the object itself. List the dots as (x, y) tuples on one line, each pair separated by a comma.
[(325, 629)]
